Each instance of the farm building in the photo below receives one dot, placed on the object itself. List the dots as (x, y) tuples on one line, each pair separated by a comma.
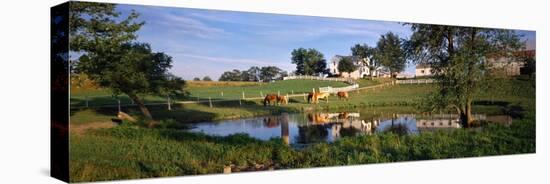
[(509, 65), (362, 71), (423, 70)]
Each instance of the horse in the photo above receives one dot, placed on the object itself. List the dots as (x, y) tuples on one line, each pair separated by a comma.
[(270, 99), (316, 96), (309, 97), (282, 100), (342, 94)]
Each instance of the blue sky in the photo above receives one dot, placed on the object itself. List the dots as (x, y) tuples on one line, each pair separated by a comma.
[(209, 42)]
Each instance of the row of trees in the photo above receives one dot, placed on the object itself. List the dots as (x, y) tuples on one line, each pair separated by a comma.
[(205, 78), (255, 74), (389, 53)]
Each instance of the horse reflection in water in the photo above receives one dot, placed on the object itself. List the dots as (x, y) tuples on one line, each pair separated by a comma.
[(321, 125)]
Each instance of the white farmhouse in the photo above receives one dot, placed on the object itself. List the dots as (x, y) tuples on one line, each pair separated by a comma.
[(362, 71), (423, 70)]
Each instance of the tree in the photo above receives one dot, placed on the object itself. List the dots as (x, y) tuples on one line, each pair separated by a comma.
[(390, 53), (196, 79), (252, 74), (346, 65), (234, 75), (366, 56), (110, 57), (206, 78), (309, 61), (458, 59), (268, 73)]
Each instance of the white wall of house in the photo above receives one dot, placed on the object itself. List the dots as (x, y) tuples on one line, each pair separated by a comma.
[(423, 71), (505, 66), (361, 72)]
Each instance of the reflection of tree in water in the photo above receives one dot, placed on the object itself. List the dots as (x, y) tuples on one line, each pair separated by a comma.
[(351, 131), (399, 129), (271, 122), (312, 133)]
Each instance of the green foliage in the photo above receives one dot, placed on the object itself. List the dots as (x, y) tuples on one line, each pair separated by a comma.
[(458, 59), (110, 57), (390, 53), (127, 152), (346, 65), (206, 78), (234, 75), (366, 54), (269, 73), (255, 73), (309, 61)]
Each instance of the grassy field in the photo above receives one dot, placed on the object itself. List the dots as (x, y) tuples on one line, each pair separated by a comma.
[(511, 92), (204, 90), (131, 151)]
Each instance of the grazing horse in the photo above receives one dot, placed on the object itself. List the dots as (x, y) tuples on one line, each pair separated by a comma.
[(316, 96), (270, 99), (342, 94), (282, 100)]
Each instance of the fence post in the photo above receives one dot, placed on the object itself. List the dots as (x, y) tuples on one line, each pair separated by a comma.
[(313, 90), (222, 93), (240, 103), (288, 99), (118, 100), (304, 97), (261, 94), (278, 93), (292, 91), (210, 101), (169, 104), (243, 95)]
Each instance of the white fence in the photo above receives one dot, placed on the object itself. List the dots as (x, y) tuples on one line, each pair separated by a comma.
[(309, 77), (415, 81)]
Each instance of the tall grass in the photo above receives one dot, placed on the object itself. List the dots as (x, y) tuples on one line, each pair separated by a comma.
[(127, 152)]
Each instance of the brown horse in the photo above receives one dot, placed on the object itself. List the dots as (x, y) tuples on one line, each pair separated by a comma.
[(342, 94), (270, 99), (309, 97), (282, 100), (316, 96)]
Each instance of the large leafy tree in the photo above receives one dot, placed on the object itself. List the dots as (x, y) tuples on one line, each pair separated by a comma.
[(390, 53), (234, 75), (109, 55), (309, 61), (458, 59), (366, 55), (268, 73), (252, 74), (346, 65)]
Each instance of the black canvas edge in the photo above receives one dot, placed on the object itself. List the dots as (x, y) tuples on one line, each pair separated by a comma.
[(59, 92)]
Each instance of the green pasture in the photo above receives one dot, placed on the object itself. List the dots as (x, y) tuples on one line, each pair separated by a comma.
[(101, 97)]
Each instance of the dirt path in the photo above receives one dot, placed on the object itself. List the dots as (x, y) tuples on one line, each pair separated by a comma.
[(80, 129)]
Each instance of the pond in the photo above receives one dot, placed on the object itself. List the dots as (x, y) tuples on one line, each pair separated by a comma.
[(307, 128)]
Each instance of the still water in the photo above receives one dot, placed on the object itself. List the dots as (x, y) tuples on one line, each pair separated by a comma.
[(306, 128)]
